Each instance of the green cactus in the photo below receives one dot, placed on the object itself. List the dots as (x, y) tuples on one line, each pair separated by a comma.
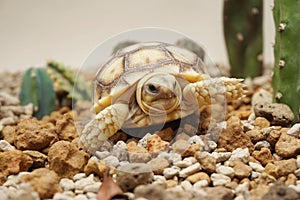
[(122, 45), (286, 78), (37, 88), (242, 24), (64, 80), (192, 46)]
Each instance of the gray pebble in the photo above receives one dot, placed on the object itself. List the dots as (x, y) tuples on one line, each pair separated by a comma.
[(102, 154), (120, 151), (171, 157), (111, 161), (277, 113)]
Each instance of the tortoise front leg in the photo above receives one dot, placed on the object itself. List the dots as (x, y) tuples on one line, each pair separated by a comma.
[(104, 125), (215, 90)]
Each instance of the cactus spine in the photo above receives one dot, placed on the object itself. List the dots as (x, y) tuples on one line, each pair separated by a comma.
[(286, 78), (242, 24), (37, 88)]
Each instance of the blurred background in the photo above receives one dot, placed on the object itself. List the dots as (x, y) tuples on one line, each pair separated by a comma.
[(34, 31)]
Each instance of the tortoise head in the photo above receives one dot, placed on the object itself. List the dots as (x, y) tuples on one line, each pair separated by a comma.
[(158, 93)]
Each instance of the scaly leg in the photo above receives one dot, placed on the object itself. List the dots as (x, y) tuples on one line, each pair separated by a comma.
[(215, 90), (104, 125)]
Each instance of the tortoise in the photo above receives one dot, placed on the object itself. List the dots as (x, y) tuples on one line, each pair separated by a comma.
[(152, 83)]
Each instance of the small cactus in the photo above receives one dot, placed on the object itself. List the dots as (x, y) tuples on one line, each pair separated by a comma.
[(64, 80), (37, 88), (242, 24), (286, 78)]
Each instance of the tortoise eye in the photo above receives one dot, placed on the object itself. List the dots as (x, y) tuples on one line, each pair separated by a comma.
[(151, 88)]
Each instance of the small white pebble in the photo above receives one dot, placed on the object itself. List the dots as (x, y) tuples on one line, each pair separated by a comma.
[(262, 144), (298, 161), (256, 167), (79, 176), (82, 183), (186, 185), (92, 188), (60, 196), (190, 170), (295, 187), (255, 175), (239, 197), (219, 179), (91, 195), (240, 154), (200, 184), (102, 154), (242, 189), (170, 172), (221, 156), (143, 142), (297, 172), (78, 191), (294, 130), (67, 184), (81, 197), (5, 146), (225, 170)]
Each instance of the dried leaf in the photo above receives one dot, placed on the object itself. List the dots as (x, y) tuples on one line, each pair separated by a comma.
[(109, 189)]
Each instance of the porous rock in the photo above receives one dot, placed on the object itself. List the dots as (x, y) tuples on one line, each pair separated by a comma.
[(156, 145), (32, 134), (44, 181), (287, 146), (13, 162), (66, 159), (96, 167), (277, 113), (220, 193), (65, 127), (233, 136), (158, 165), (134, 174)]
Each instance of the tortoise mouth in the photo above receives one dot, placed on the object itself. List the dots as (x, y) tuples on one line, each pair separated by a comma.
[(158, 94)]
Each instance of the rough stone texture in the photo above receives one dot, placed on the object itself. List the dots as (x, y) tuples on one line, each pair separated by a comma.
[(220, 193), (281, 192), (273, 137), (8, 133), (198, 177), (207, 162), (276, 113), (281, 168), (132, 147), (241, 170), (39, 159), (150, 192), (13, 162), (32, 134), (44, 181), (66, 159), (255, 135), (95, 167), (258, 192), (166, 134), (134, 174), (139, 157), (158, 165), (264, 156), (219, 179), (65, 127), (233, 137), (185, 148), (156, 145), (260, 96), (287, 146)]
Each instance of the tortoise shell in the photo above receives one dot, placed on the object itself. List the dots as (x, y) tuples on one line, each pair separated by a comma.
[(129, 65)]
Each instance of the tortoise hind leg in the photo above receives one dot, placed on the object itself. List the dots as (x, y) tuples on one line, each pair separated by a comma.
[(215, 90), (104, 125)]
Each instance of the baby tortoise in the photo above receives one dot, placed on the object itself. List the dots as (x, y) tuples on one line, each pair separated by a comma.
[(152, 83)]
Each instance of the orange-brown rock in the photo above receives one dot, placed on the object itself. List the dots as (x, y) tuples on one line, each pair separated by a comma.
[(233, 136), (264, 156), (44, 181), (66, 159), (32, 134)]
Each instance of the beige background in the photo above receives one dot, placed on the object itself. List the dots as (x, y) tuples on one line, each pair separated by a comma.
[(33, 31)]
